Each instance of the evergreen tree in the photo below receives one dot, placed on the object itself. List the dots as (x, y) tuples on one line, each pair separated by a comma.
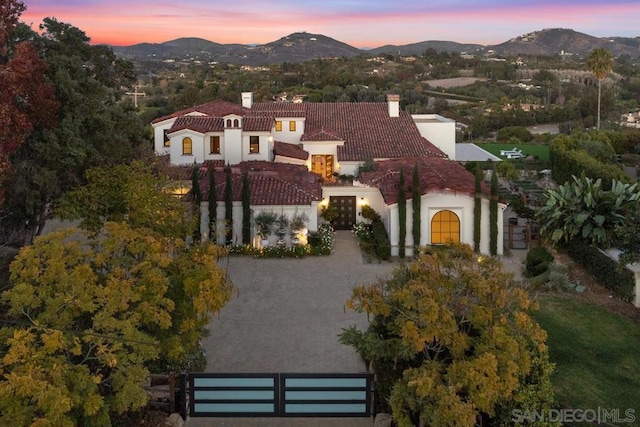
[(197, 200), (213, 205), (402, 216), (246, 210), (477, 211), (493, 214), (416, 203), (228, 205)]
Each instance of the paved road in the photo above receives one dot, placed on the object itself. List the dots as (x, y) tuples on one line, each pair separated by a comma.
[(286, 317)]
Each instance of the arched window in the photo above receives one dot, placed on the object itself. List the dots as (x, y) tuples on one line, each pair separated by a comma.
[(236, 123), (228, 123), (187, 146), (445, 228)]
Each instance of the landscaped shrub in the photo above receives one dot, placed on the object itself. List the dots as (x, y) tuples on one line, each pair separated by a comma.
[(537, 261), (616, 278), (381, 241), (369, 213), (321, 243)]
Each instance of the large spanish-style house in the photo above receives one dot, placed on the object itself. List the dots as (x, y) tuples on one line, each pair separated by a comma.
[(299, 157)]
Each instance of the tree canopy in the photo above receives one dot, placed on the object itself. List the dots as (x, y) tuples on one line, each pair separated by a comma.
[(89, 313), (92, 127), (452, 340)]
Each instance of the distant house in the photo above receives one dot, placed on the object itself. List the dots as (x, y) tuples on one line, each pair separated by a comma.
[(301, 156)]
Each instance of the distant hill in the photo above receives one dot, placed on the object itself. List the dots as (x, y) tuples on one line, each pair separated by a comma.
[(421, 47), (554, 41), (301, 47)]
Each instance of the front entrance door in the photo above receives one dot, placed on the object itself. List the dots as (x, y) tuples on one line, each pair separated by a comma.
[(346, 206), (322, 165)]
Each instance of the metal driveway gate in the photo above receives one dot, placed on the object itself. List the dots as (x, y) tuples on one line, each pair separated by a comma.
[(280, 395)]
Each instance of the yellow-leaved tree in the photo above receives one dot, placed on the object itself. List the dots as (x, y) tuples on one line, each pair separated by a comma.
[(451, 342), (89, 312)]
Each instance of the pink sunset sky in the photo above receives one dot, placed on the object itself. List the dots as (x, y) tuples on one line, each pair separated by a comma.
[(368, 23)]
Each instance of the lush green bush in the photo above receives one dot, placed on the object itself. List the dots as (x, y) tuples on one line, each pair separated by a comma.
[(381, 241), (297, 251), (567, 160), (369, 213), (518, 132), (537, 261), (615, 277), (322, 242)]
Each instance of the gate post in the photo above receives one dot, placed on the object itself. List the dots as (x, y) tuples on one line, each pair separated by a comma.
[(182, 403)]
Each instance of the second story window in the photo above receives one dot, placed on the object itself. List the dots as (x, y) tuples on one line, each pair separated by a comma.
[(167, 140), (214, 145), (254, 144), (292, 126), (187, 146), (278, 126)]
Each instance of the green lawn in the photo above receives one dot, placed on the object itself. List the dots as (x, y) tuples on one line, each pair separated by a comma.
[(541, 151), (596, 352)]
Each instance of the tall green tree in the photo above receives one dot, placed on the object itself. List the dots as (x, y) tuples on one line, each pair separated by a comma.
[(27, 100), (228, 206), (246, 210), (133, 193), (402, 216), (493, 214), (600, 62), (452, 339), (93, 127), (416, 202), (212, 198), (88, 315), (477, 211), (197, 200)]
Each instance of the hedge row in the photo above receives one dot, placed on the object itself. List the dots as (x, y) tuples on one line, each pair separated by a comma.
[(615, 277), (381, 243), (566, 162)]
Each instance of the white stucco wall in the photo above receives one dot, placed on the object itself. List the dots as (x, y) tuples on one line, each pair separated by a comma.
[(364, 195), (158, 135), (310, 210), (439, 130), (265, 152), (461, 205), (285, 135)]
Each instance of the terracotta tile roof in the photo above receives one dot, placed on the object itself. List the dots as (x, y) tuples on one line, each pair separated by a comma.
[(289, 150), (257, 124), (201, 124), (366, 128), (270, 183), (436, 174), (321, 135), (279, 109), (217, 108)]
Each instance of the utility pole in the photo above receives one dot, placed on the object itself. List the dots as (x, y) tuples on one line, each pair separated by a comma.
[(136, 94)]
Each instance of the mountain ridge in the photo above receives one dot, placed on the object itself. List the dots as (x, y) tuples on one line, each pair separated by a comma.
[(303, 46)]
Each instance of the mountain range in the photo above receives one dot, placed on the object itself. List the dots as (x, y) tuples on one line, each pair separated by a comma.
[(302, 46)]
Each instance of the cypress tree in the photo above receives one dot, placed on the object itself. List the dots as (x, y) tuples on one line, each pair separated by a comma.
[(477, 211), (416, 203), (402, 216), (493, 214), (246, 210), (213, 205), (228, 205), (197, 199)]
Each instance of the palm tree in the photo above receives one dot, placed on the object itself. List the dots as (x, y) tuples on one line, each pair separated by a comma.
[(600, 63)]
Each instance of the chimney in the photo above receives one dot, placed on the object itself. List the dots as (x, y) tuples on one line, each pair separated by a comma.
[(247, 99), (394, 105)]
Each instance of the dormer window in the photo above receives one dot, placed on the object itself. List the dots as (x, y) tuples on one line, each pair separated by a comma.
[(236, 123), (228, 123)]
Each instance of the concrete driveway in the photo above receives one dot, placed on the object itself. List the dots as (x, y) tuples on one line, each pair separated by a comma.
[(286, 317)]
